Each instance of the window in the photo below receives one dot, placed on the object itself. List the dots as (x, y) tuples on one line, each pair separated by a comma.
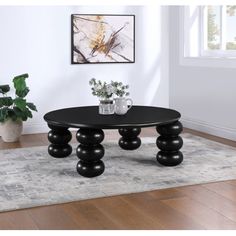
[(210, 31)]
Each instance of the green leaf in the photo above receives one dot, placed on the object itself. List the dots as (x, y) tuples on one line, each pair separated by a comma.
[(28, 113), (20, 103), (21, 76), (6, 101), (3, 114), (17, 111), (20, 114), (20, 85), (31, 106), (12, 114), (24, 117), (22, 93), (4, 88)]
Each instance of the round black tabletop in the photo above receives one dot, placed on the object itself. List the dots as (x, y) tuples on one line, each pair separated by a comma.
[(88, 117)]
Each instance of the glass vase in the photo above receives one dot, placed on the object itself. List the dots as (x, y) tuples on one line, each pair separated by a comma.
[(106, 107)]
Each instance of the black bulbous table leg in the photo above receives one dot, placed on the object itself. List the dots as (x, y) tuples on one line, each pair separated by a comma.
[(129, 139), (90, 152), (169, 142), (59, 137)]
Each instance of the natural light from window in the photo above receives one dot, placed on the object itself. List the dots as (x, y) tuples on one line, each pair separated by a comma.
[(221, 27), (210, 31)]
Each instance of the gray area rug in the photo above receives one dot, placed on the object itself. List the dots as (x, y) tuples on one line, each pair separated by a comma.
[(30, 177)]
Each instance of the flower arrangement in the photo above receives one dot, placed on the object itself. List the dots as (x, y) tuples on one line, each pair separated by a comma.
[(105, 90), (120, 89)]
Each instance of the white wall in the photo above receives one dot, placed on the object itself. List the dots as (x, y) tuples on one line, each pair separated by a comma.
[(36, 40), (205, 96)]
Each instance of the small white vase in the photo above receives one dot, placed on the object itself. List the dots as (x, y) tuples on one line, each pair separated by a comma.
[(106, 107), (11, 130), (121, 105)]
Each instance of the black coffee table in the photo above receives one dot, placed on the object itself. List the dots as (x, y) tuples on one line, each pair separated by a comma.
[(90, 134)]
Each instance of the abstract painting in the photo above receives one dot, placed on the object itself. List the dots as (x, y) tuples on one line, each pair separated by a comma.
[(102, 39)]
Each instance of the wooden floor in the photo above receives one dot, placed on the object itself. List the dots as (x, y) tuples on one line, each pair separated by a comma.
[(205, 206)]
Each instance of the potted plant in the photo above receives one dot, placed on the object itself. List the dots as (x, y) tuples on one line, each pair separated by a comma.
[(13, 111)]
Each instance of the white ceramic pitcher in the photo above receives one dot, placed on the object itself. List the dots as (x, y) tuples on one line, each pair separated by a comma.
[(122, 106)]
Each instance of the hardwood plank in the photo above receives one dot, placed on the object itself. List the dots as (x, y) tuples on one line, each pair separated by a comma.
[(210, 199), (162, 214), (126, 215), (224, 189), (5, 223), (200, 213), (28, 140), (89, 217), (52, 217), (233, 182), (211, 137), (16, 220), (166, 193)]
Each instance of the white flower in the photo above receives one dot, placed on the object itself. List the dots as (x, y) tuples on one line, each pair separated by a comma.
[(97, 87), (110, 89), (114, 90)]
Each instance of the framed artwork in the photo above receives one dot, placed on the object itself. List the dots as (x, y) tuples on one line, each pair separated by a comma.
[(102, 38)]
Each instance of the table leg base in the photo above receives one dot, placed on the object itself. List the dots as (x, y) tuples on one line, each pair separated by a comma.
[(90, 170), (129, 144), (169, 158), (59, 151), (59, 137), (129, 139), (90, 152), (169, 144)]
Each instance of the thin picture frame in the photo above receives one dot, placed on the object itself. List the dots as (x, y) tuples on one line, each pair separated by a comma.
[(101, 62)]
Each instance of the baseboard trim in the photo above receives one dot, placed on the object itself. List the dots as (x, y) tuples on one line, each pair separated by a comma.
[(213, 129), (36, 128)]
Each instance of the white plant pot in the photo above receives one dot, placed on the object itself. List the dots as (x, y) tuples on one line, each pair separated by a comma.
[(11, 130)]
